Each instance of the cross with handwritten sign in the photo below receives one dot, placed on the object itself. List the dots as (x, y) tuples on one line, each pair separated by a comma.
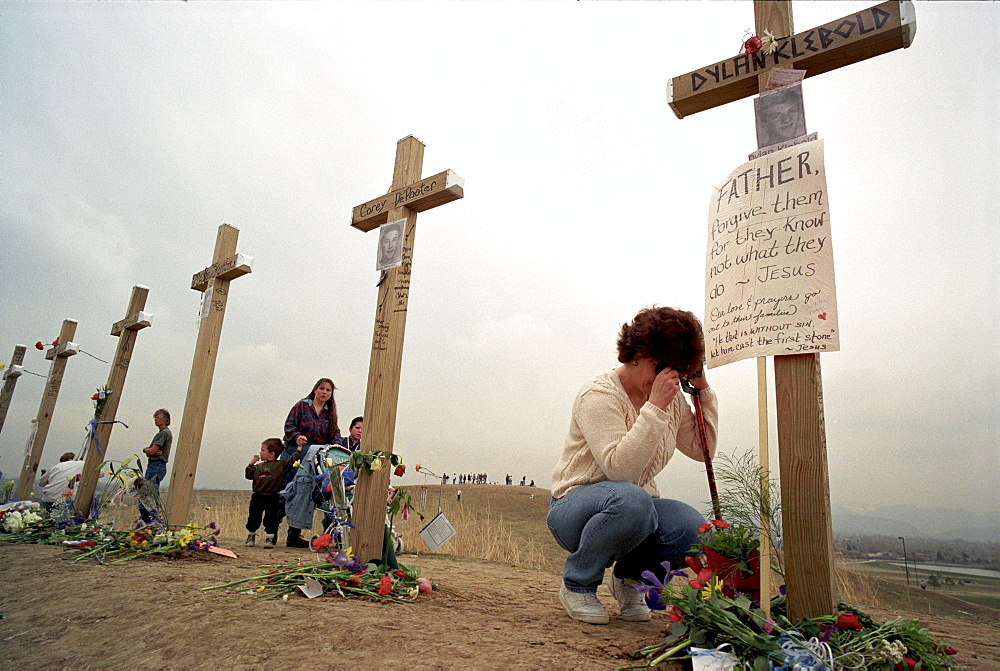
[(805, 490), (226, 266), (126, 330), (408, 195), (58, 355)]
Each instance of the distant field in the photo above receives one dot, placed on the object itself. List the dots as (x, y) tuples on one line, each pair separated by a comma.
[(979, 590)]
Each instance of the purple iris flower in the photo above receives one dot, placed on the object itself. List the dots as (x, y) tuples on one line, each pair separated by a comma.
[(652, 589)]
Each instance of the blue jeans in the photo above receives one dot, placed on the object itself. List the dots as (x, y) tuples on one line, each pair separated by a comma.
[(619, 523), (155, 472)]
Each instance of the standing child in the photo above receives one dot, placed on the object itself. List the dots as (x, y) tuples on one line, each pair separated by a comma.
[(268, 475)]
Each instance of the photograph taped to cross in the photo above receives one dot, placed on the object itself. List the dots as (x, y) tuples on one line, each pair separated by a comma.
[(769, 280), (390, 245), (780, 115)]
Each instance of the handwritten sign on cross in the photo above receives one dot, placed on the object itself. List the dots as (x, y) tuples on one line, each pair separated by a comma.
[(126, 330), (58, 355), (226, 266), (806, 517), (408, 195)]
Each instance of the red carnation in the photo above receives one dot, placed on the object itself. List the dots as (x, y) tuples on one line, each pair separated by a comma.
[(848, 621), (719, 524), (704, 527), (753, 45), (384, 585), (39, 345), (55, 342), (95, 397), (321, 542)]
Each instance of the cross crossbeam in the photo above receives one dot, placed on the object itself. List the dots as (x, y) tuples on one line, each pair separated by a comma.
[(856, 37)]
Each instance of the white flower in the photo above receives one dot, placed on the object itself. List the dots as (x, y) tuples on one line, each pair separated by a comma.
[(769, 41), (12, 522)]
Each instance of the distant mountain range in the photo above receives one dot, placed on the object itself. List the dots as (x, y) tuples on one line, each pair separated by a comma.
[(942, 523)]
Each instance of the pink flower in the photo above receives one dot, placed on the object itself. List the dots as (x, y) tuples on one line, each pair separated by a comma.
[(417, 467), (424, 585)]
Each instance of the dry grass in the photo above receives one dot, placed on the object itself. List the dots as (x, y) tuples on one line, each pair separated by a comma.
[(506, 525)]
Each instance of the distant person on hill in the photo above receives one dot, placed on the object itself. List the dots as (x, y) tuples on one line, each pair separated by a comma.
[(311, 421), (625, 426), (268, 475), (59, 478), (158, 452)]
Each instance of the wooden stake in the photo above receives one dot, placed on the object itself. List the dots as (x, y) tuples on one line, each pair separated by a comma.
[(58, 356), (387, 341), (764, 463), (127, 329), (10, 375), (805, 490), (226, 266)]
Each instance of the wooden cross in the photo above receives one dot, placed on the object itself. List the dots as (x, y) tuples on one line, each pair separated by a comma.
[(127, 329), (805, 490), (226, 265), (407, 196), (10, 376), (58, 355)]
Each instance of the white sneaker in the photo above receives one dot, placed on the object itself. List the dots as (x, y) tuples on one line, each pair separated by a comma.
[(630, 600), (251, 539), (583, 607), (269, 541)]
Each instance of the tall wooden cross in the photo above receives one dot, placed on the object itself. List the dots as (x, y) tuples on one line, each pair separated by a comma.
[(805, 488), (127, 329), (408, 195), (58, 355), (226, 266), (10, 375)]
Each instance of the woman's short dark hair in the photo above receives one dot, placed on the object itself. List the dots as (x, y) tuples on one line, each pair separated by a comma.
[(666, 335)]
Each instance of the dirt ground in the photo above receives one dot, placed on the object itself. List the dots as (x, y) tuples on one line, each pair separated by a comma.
[(153, 614)]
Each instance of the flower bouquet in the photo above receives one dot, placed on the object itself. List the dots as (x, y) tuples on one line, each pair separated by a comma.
[(703, 617), (731, 552), (338, 575)]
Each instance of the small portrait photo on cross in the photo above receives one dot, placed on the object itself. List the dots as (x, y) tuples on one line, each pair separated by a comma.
[(390, 245), (780, 115)]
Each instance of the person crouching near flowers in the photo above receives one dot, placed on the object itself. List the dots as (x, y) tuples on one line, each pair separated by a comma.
[(626, 424), (268, 475)]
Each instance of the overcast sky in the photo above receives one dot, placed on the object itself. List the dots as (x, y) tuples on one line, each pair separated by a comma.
[(131, 131)]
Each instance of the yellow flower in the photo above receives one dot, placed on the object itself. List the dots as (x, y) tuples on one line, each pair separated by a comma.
[(713, 585), (134, 543), (144, 543), (376, 464), (260, 589)]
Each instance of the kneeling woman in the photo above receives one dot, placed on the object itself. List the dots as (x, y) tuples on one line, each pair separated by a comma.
[(626, 423)]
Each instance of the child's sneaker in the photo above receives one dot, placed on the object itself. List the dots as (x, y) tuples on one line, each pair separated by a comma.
[(269, 541), (251, 539)]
